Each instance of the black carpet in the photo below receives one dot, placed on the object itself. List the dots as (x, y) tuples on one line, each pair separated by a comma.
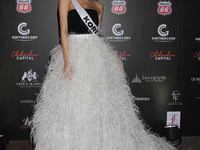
[(188, 143)]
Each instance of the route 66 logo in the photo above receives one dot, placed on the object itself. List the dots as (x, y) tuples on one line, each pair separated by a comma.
[(119, 7), (24, 6), (164, 8)]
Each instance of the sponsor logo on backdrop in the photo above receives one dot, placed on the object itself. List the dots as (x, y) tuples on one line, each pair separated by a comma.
[(159, 55), (28, 101), (23, 56), (118, 34), (197, 39), (197, 55), (24, 6), (149, 79), (163, 35), (175, 96), (154, 78), (136, 80), (29, 80), (195, 79), (161, 32), (21, 30), (119, 7), (123, 55), (24, 31), (164, 8), (174, 118), (26, 124), (141, 98)]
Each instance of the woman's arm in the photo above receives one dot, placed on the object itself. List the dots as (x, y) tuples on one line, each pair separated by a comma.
[(63, 12), (100, 12)]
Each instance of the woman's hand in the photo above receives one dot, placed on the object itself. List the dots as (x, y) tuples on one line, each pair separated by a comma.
[(67, 70)]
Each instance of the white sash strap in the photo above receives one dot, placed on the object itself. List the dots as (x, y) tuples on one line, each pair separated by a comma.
[(86, 18)]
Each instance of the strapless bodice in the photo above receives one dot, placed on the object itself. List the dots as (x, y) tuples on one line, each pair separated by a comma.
[(75, 23)]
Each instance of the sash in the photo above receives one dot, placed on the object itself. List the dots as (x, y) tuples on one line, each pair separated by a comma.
[(86, 18)]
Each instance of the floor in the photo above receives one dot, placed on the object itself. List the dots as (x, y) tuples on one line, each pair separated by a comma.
[(188, 143)]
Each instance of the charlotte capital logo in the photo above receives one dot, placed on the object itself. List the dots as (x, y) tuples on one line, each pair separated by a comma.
[(123, 56), (119, 7), (21, 29), (23, 56), (24, 6), (161, 31), (164, 8), (159, 55), (197, 55)]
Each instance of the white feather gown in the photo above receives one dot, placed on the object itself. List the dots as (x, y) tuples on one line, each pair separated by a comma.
[(91, 110)]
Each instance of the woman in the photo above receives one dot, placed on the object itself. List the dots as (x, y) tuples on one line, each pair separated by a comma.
[(85, 102)]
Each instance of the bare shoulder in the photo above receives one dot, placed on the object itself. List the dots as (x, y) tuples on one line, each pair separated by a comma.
[(65, 4), (99, 5)]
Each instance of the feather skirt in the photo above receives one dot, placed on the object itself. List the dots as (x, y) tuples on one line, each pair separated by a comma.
[(93, 109)]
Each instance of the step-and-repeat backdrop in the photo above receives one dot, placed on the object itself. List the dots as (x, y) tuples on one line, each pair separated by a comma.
[(157, 40)]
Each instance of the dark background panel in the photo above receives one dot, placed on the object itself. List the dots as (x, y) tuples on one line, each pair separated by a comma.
[(189, 66)]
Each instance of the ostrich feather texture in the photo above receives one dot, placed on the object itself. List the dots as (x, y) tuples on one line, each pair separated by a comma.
[(93, 109)]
